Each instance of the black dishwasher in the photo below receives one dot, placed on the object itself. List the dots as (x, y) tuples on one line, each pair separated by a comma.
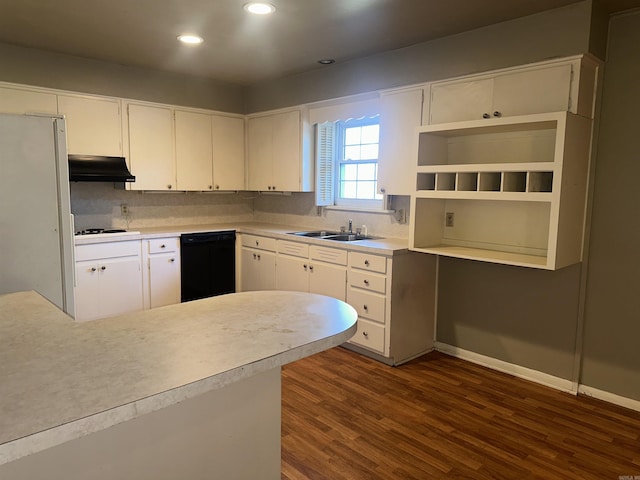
[(208, 264)]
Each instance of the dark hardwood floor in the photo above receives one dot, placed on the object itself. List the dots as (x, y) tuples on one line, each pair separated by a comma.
[(345, 416)]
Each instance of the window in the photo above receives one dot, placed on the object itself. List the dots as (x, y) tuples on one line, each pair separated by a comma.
[(347, 158)]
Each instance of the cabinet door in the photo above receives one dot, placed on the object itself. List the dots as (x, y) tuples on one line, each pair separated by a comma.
[(151, 148), (292, 273), (87, 291), (286, 152), (164, 279), (94, 125), (327, 279), (461, 100), (258, 270), (14, 100), (120, 286), (533, 91), (228, 153), (400, 114), (194, 151), (260, 148)]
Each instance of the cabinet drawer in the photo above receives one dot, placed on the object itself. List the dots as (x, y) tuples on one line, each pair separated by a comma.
[(295, 249), (263, 243), (368, 281), (369, 305), (369, 335), (329, 255), (107, 250), (366, 261), (163, 245)]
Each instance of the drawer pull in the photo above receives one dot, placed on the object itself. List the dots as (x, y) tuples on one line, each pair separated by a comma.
[(172, 260), (103, 268), (366, 262), (366, 282), (257, 243), (254, 256), (311, 267), (365, 334), (258, 256), (366, 309), (93, 269), (163, 246), (305, 267)]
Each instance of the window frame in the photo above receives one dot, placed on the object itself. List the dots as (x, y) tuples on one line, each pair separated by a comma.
[(340, 128)]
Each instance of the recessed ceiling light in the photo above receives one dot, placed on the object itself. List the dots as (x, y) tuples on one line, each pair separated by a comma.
[(190, 39), (259, 8), (326, 61)]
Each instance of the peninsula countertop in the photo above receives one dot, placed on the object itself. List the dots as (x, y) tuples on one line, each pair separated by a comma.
[(62, 379)]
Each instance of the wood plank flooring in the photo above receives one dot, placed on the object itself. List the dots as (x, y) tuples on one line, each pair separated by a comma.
[(345, 416)]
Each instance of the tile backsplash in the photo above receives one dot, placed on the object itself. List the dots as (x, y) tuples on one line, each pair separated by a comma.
[(98, 205)]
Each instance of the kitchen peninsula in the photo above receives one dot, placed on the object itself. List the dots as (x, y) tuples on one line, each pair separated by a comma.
[(186, 391)]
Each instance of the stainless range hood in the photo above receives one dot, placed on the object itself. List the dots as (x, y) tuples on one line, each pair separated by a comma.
[(97, 168)]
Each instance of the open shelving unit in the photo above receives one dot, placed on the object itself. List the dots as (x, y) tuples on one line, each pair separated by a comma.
[(506, 190)]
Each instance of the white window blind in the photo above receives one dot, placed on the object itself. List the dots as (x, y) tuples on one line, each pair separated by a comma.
[(325, 160)]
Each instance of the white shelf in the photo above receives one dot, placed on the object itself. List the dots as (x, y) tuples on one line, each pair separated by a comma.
[(492, 256), (492, 190)]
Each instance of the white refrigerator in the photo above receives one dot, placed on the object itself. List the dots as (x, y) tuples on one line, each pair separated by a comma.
[(36, 226)]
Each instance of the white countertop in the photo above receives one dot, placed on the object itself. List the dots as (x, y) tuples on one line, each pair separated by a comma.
[(387, 246), (62, 379)]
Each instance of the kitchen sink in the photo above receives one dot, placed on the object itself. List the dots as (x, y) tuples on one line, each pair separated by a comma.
[(316, 234), (335, 236)]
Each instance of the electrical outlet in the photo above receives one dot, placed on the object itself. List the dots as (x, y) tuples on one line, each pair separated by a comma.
[(124, 209), (449, 219)]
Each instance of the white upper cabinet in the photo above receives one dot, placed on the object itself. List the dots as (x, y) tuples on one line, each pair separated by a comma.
[(228, 153), (400, 115), (550, 87), (194, 151), (279, 157), (151, 155), (209, 151), (94, 124), (19, 101)]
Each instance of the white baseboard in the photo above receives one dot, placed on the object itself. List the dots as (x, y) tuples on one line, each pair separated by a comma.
[(510, 368), (609, 397)]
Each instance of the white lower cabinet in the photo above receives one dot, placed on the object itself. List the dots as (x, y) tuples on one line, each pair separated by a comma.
[(257, 263), (161, 257), (311, 268), (395, 300), (108, 279)]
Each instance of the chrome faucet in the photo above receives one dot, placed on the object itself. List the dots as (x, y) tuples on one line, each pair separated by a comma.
[(350, 226)]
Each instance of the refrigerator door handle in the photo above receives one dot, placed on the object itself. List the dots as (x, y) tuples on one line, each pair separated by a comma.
[(72, 224)]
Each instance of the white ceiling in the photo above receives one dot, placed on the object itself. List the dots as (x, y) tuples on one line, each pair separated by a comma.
[(242, 48)]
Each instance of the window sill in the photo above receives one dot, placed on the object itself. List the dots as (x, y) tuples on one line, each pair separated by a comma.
[(347, 208)]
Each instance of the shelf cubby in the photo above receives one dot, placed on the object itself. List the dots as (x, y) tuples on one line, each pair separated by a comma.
[(516, 186), (514, 182), (490, 182)]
